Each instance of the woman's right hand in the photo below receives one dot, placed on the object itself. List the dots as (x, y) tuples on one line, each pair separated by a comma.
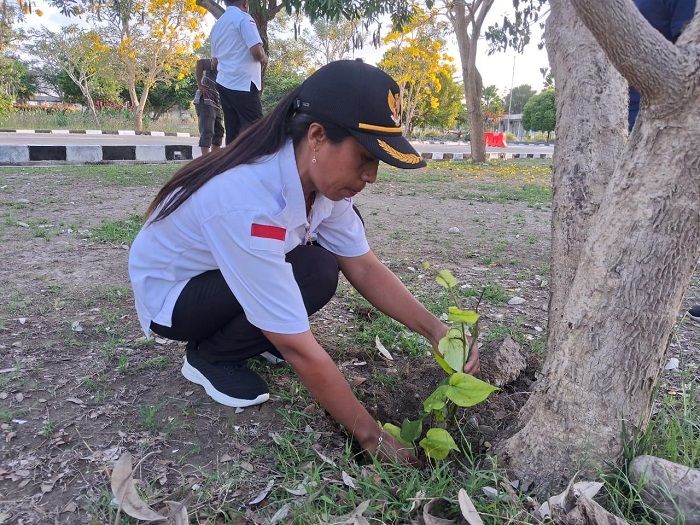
[(386, 447)]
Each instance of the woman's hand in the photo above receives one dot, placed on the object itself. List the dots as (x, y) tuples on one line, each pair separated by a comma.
[(472, 365), (386, 447)]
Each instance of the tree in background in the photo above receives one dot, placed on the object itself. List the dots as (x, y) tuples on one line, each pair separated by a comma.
[(152, 41), (332, 40), (492, 106), (17, 81), (519, 95), (447, 113), (79, 53), (165, 96), (540, 113), (290, 63), (416, 61)]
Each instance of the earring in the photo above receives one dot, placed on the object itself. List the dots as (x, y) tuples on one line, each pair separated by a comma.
[(313, 160)]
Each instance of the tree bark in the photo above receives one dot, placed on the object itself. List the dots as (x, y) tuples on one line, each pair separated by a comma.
[(467, 19), (623, 251)]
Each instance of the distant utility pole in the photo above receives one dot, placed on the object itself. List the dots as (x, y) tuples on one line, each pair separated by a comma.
[(510, 97)]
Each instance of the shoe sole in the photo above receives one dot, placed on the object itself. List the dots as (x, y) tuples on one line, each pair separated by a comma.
[(272, 358), (195, 376)]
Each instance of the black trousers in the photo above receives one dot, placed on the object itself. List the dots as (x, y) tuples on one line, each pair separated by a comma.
[(208, 313), (241, 109)]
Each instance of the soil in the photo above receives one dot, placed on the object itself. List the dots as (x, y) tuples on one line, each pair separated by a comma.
[(79, 384)]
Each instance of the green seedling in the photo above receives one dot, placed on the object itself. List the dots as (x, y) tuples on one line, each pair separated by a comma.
[(457, 390)]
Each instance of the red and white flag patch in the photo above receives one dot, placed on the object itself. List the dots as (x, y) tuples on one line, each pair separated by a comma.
[(266, 231)]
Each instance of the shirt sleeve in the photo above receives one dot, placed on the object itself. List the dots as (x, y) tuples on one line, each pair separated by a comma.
[(249, 32), (342, 232), (682, 12), (256, 270)]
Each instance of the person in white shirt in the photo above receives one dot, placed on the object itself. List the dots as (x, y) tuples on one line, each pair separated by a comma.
[(238, 48), (243, 244)]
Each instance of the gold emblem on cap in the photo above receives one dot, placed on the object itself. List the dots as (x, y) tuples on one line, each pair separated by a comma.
[(395, 107), (408, 158)]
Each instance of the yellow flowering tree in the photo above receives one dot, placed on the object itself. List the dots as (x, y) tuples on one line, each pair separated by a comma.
[(152, 41), (80, 54), (417, 61)]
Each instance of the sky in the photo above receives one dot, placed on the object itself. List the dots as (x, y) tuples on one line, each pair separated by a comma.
[(496, 69)]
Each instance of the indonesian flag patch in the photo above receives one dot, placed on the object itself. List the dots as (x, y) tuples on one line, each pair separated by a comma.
[(265, 231)]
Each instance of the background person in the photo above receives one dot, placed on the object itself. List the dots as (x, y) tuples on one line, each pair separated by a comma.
[(242, 245), (206, 102), (237, 46)]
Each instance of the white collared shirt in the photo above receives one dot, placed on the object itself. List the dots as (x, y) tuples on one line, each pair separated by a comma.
[(235, 223), (232, 37)]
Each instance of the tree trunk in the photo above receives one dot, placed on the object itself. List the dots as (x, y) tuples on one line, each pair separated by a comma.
[(472, 89), (467, 44), (91, 105), (623, 246), (210, 5), (139, 109)]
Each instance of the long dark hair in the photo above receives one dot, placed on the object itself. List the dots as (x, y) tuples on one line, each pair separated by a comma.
[(265, 137)]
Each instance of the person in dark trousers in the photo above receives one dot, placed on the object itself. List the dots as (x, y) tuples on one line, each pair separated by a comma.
[(206, 102), (668, 17), (243, 244), (238, 49)]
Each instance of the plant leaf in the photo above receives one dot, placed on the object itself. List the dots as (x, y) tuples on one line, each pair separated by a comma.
[(454, 349), (468, 510), (441, 361), (436, 400), (382, 350), (446, 279), (437, 443), (462, 316), (125, 493), (466, 390), (410, 430), (395, 432)]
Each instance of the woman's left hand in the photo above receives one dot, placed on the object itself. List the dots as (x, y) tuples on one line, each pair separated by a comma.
[(472, 365)]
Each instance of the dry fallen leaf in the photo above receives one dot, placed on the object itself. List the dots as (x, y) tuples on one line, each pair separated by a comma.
[(280, 514), (347, 479), (177, 513), (382, 350), (468, 510), (325, 458), (263, 494), (125, 494)]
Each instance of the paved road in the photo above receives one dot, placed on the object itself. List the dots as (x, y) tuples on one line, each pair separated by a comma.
[(55, 139)]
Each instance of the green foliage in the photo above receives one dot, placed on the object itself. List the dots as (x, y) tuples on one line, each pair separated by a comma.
[(16, 80), (450, 109), (459, 390), (118, 232), (278, 84), (167, 94), (540, 112), (417, 61), (515, 34), (520, 95), (5, 105), (105, 88), (492, 104)]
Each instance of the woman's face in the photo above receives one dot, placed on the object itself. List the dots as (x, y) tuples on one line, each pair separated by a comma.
[(342, 170)]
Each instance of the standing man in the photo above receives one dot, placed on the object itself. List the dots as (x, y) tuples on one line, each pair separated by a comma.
[(208, 106), (237, 46)]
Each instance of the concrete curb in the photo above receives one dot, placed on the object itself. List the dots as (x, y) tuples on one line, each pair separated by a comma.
[(84, 154), (78, 154), (100, 132)]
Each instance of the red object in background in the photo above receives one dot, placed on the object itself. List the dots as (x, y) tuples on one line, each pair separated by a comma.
[(495, 140)]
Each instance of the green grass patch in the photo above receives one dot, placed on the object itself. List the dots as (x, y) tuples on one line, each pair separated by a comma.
[(107, 174), (673, 434), (493, 293), (118, 232)]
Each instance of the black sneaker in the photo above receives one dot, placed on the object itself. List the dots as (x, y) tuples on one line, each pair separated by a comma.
[(273, 356), (694, 313), (231, 384)]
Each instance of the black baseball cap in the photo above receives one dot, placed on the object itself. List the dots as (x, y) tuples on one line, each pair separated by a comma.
[(365, 101)]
